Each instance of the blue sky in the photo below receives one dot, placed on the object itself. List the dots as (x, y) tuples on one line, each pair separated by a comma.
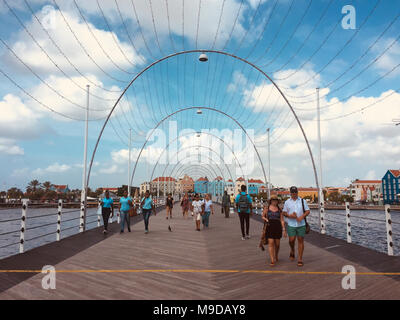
[(299, 45)]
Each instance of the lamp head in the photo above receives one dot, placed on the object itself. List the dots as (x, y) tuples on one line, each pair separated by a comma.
[(203, 57)]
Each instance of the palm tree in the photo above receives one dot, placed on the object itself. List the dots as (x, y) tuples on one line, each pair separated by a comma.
[(46, 185), (33, 185)]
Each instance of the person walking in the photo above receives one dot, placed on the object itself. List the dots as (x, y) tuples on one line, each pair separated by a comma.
[(296, 210), (169, 205), (147, 206), (185, 205), (208, 209), (244, 207), (273, 217), (197, 208), (107, 210), (226, 202), (125, 203)]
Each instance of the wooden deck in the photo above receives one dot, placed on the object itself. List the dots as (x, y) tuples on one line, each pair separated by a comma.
[(185, 264)]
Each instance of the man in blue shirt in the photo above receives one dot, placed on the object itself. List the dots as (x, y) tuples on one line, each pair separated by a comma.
[(295, 210), (245, 208), (147, 206)]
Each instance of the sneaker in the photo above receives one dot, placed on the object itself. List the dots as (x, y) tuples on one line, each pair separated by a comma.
[(146, 231), (129, 230), (243, 238), (247, 237), (104, 231)]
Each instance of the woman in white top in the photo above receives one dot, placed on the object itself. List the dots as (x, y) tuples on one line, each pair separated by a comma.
[(208, 209), (197, 208)]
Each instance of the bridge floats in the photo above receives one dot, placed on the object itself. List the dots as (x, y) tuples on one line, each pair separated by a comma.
[(184, 264)]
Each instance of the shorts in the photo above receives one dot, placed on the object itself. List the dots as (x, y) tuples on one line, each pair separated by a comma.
[(198, 216), (296, 231)]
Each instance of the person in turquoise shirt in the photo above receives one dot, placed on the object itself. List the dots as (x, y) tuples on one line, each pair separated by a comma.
[(125, 203), (245, 208), (147, 206), (107, 210)]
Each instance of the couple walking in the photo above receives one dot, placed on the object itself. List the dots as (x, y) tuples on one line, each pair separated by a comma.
[(125, 204), (294, 213), (202, 209)]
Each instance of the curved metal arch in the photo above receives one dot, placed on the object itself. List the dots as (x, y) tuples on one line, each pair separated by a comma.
[(190, 108), (182, 169), (183, 135), (208, 165), (179, 162), (208, 51), (203, 168), (204, 147)]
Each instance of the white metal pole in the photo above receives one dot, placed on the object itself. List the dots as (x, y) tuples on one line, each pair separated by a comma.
[(82, 226), (320, 191), (23, 225), (348, 222), (269, 167), (129, 162), (60, 203), (389, 234)]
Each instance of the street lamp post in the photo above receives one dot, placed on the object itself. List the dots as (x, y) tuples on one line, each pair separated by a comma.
[(320, 191), (82, 225), (269, 166)]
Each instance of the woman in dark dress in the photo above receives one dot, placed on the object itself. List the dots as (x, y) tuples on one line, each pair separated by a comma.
[(169, 205), (272, 215)]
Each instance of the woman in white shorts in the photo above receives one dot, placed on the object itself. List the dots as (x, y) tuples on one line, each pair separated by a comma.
[(197, 208)]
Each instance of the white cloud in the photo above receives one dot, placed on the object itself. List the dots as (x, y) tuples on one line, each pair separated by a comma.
[(390, 59), (8, 147), (32, 55), (111, 170), (17, 120), (53, 168)]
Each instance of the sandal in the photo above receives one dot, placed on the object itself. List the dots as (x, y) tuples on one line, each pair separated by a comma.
[(272, 264), (300, 263), (291, 257)]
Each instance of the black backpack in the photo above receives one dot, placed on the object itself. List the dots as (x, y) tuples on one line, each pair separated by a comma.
[(243, 203)]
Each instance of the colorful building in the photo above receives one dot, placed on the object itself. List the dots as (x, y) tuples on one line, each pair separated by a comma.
[(164, 185), (253, 186), (230, 187), (60, 188), (391, 187), (366, 190), (239, 183), (217, 187), (201, 185)]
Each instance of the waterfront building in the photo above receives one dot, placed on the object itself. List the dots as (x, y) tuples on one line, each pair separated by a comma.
[(201, 185), (216, 187), (391, 187), (165, 185), (60, 188), (185, 185), (230, 187), (144, 187), (366, 190), (253, 186), (239, 182)]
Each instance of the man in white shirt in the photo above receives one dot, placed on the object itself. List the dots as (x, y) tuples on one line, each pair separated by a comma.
[(295, 213), (198, 210)]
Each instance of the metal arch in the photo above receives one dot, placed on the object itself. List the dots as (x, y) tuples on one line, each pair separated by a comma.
[(182, 168), (212, 169), (206, 170), (230, 174), (190, 108), (208, 148), (208, 51), (183, 135)]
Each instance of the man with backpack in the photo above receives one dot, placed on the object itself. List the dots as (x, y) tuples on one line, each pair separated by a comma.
[(244, 207), (296, 210)]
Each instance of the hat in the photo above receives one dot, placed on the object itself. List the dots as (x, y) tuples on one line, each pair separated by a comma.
[(293, 189), (274, 197)]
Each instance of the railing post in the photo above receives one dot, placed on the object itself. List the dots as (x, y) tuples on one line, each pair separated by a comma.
[(60, 203), (82, 216), (262, 205), (389, 235), (348, 222), (23, 225), (323, 226), (98, 216)]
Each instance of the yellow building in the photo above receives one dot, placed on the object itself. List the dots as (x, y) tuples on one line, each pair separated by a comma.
[(311, 192)]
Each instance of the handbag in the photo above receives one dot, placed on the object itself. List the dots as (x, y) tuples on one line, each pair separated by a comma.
[(263, 240), (305, 219)]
